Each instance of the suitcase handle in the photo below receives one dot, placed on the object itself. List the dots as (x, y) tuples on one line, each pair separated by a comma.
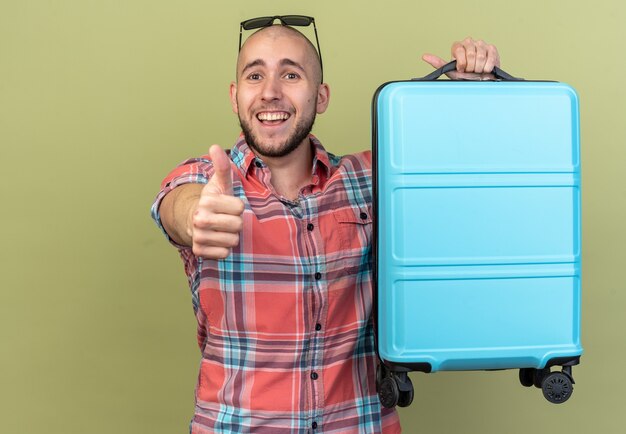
[(451, 66)]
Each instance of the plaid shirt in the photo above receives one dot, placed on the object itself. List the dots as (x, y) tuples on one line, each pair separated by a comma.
[(284, 323)]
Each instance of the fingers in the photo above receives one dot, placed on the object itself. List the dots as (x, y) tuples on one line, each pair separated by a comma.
[(220, 204), (470, 49), (216, 225), (209, 219), (475, 56), (209, 252), (493, 58), (458, 53), (214, 245)]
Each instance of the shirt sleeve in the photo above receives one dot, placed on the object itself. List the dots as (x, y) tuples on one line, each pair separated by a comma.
[(192, 171), (366, 158)]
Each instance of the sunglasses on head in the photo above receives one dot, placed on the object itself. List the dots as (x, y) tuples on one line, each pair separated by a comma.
[(285, 20)]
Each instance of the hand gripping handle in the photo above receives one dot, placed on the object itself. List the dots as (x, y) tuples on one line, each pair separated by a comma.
[(451, 66)]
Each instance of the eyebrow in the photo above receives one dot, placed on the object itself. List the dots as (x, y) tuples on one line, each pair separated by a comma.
[(283, 62), (257, 62), (290, 62)]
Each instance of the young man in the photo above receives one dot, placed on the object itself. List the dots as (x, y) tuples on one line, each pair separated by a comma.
[(276, 242)]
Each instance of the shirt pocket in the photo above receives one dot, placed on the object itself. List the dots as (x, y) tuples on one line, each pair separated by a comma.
[(354, 226)]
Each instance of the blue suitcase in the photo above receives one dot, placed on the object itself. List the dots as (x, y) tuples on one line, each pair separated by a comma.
[(477, 236)]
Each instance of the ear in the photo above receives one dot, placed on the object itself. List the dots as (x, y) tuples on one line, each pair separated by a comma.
[(233, 97), (323, 98)]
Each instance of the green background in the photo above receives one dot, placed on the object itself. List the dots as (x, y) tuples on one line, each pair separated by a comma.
[(100, 99)]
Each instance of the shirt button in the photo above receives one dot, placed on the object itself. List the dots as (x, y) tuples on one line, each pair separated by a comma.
[(258, 164), (314, 425), (363, 216), (318, 275), (318, 327), (314, 376), (310, 226)]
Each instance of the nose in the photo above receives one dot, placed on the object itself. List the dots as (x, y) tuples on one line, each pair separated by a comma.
[(271, 89)]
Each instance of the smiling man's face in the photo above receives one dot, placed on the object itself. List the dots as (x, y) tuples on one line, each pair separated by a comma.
[(277, 94)]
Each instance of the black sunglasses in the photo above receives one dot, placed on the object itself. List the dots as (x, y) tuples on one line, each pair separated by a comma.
[(286, 20)]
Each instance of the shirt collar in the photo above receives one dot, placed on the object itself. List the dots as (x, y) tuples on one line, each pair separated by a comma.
[(244, 157)]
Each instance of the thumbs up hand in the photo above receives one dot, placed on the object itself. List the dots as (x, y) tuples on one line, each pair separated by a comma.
[(217, 219)]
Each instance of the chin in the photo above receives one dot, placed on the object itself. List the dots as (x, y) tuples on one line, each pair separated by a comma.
[(273, 151), (279, 145)]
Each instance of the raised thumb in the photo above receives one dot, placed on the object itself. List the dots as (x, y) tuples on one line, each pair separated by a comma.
[(222, 180)]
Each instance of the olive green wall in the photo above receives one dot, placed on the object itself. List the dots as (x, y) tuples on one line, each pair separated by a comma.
[(99, 99)]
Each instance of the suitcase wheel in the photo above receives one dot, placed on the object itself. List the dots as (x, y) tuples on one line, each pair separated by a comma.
[(388, 392), (406, 397), (394, 388), (532, 377), (557, 387), (527, 376), (539, 375)]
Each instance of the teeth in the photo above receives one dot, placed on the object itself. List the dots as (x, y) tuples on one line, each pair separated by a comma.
[(273, 116)]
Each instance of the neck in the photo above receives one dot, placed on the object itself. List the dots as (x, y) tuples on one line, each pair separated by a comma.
[(292, 172)]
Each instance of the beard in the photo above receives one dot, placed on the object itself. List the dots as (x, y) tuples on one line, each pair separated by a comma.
[(301, 132)]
